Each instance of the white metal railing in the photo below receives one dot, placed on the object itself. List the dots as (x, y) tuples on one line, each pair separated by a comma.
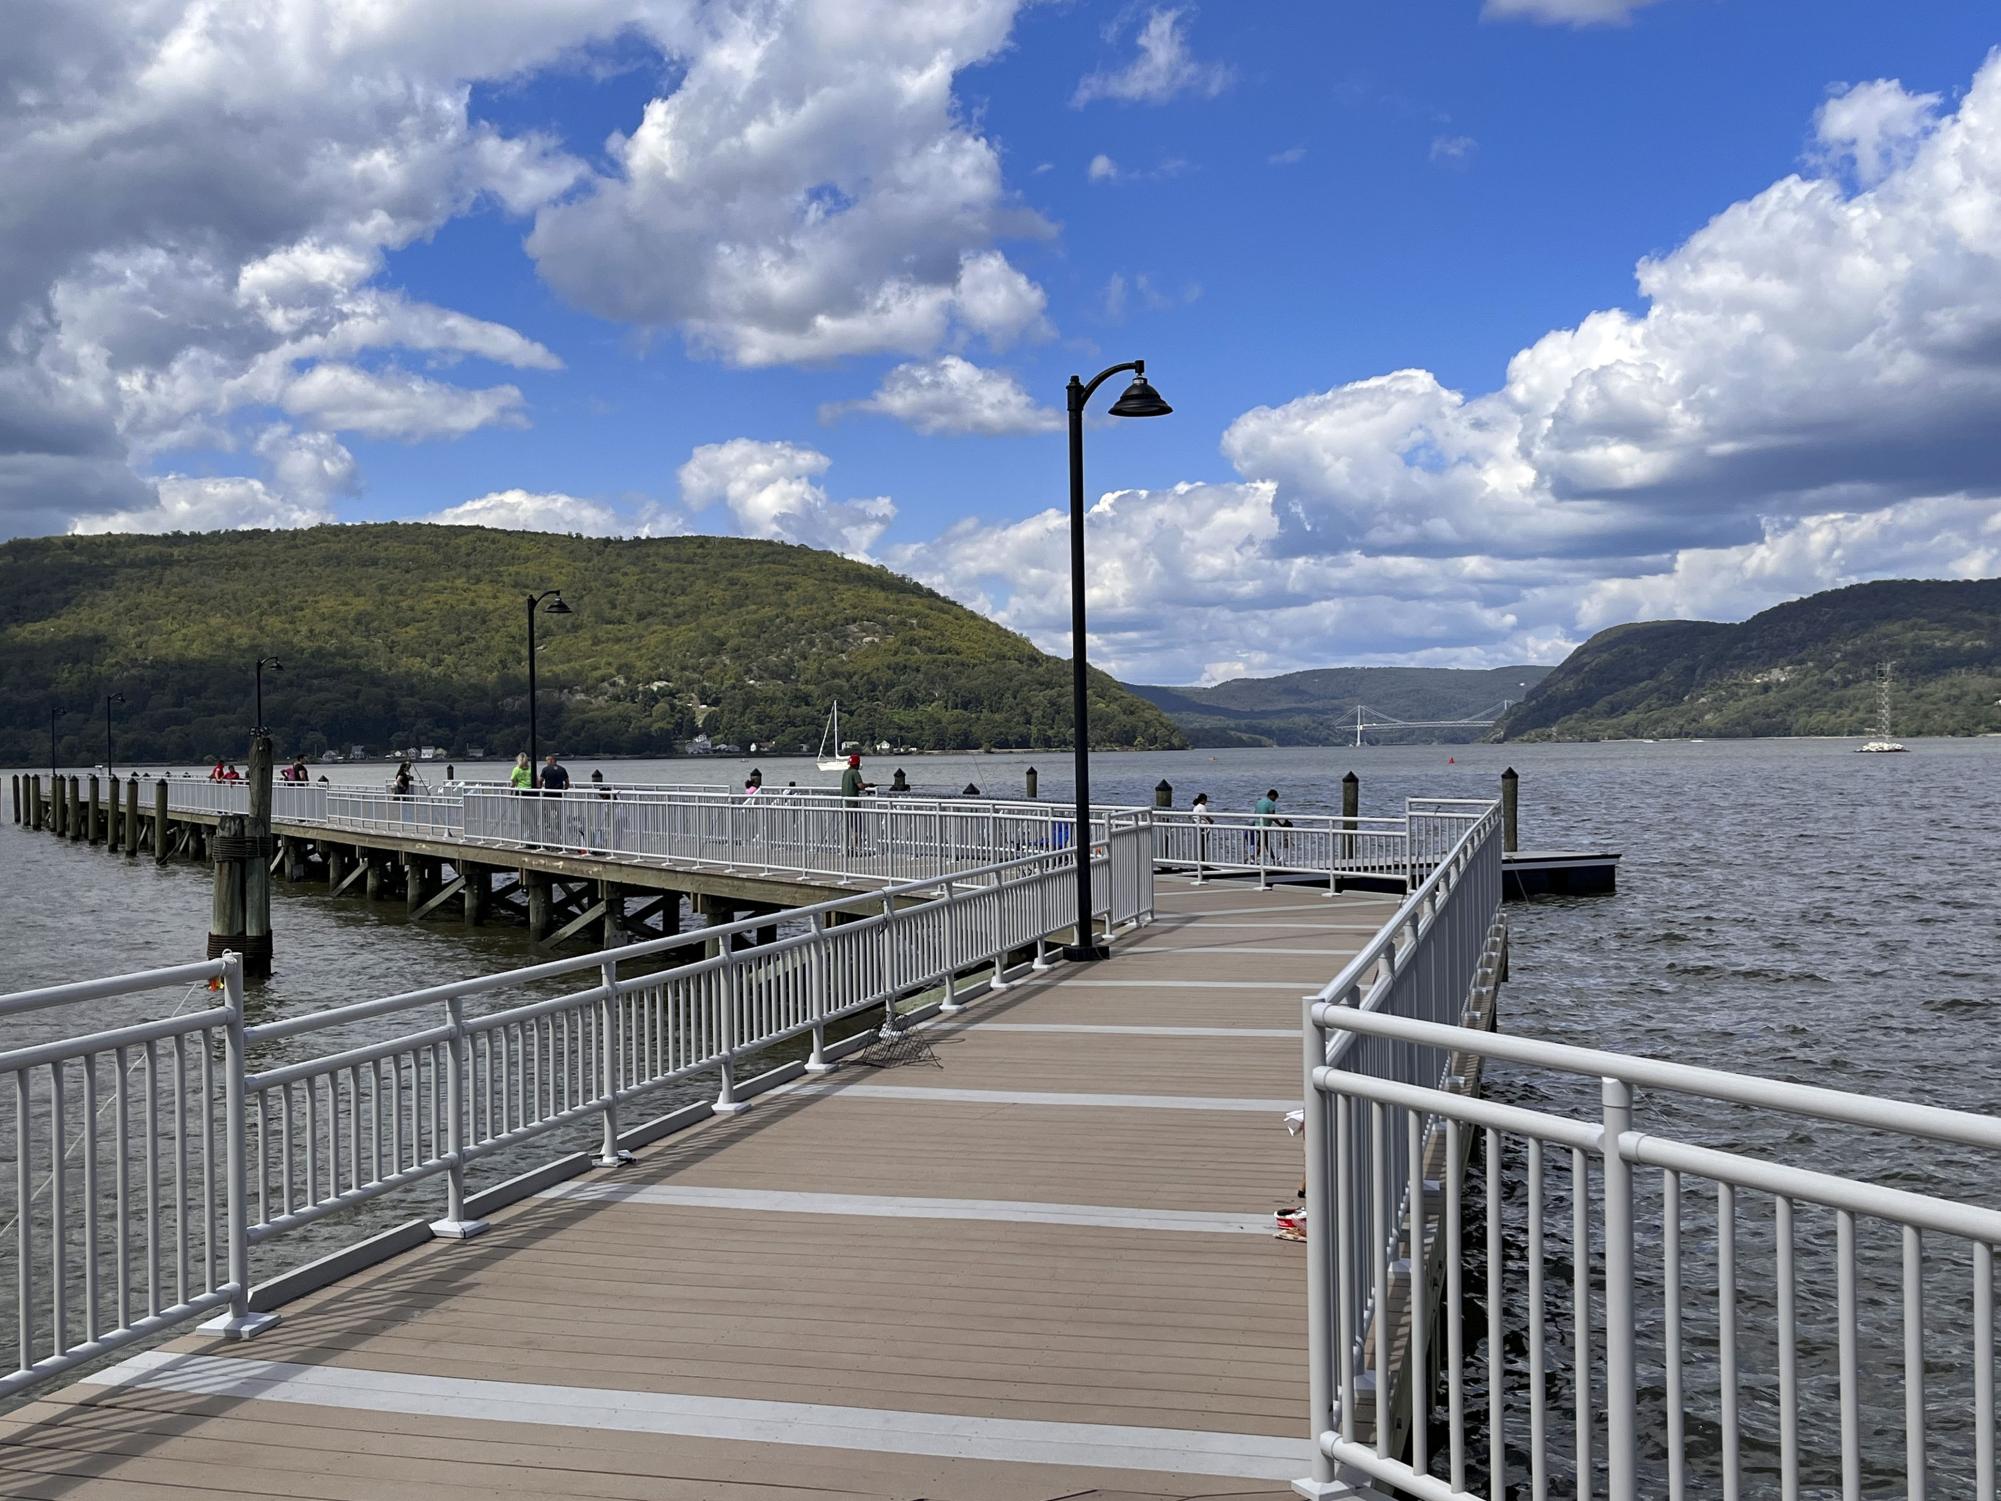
[(1841, 1341), (1316, 844), (866, 839), (1746, 1355), (128, 1203), (209, 1157)]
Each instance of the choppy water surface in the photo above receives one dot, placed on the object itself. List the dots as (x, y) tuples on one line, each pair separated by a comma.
[(1785, 907)]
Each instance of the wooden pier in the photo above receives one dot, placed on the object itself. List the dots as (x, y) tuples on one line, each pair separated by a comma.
[(559, 896), (1032, 1259)]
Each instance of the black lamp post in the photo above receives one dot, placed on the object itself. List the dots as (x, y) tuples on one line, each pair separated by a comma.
[(1139, 400), (276, 666), (555, 606), (52, 748), (109, 700)]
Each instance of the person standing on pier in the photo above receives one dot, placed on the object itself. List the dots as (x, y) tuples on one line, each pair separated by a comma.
[(852, 788), (1204, 821), (1266, 809), (555, 781), (521, 778)]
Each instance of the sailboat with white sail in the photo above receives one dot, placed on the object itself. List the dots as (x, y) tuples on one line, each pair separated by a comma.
[(832, 760)]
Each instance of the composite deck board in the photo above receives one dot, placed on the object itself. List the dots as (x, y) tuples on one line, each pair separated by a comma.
[(1090, 1331)]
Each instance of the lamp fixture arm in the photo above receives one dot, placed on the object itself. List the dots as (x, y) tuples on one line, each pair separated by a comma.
[(1080, 391)]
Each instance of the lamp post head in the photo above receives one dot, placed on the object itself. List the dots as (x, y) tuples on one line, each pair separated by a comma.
[(114, 698), (271, 662), (1140, 400), (555, 606)]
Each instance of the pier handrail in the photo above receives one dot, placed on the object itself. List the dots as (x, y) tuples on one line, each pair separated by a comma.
[(212, 1157), (1795, 1303)]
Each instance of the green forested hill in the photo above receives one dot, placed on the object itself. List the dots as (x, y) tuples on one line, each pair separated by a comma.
[(1317, 707), (404, 634), (1807, 667)]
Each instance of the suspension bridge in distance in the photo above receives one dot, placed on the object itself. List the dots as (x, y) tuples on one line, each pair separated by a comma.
[(1484, 719)]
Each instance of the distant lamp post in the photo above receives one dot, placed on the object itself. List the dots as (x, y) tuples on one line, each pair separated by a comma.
[(276, 666), (109, 700), (1139, 400), (52, 746), (555, 606)]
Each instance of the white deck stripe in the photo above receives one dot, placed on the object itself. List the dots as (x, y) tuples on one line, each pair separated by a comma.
[(1142, 950), (1042, 1097), (1275, 927), (1112, 1031), (1008, 1211), (1290, 987), (864, 1429)]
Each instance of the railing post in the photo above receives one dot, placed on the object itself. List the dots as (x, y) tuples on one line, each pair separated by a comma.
[(952, 1002), (1323, 1387), (455, 1225), (726, 1101), (239, 1322), (889, 1031), (609, 1152), (818, 982), (1620, 1447)]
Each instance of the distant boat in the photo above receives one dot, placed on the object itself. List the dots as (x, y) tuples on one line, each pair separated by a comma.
[(1882, 744), (832, 733)]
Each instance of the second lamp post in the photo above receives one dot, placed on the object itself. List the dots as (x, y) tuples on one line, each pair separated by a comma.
[(1139, 400), (555, 606)]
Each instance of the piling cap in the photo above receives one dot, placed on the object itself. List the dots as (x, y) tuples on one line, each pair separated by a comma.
[(1351, 777)]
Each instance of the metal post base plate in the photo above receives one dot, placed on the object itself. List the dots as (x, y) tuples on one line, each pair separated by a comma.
[(1335, 1490), (731, 1107), (457, 1229), (229, 1326), (1080, 953), (819, 1068), (620, 1158)]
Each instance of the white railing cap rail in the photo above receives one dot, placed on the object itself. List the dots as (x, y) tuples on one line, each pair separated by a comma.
[(1932, 1121), (135, 1035), (509, 979), (111, 985)]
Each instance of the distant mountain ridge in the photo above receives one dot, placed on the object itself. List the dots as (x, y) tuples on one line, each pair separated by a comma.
[(1317, 706), (1806, 667)]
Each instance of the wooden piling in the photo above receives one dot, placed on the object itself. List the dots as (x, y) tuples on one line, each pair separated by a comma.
[(478, 894), (34, 802), (132, 817), (613, 897), (1163, 794), (1351, 809), (160, 822), (1511, 785), (225, 911), (536, 884), (257, 865), (76, 809), (14, 781), (114, 814), (1028, 784), (418, 881), (373, 884), (90, 813)]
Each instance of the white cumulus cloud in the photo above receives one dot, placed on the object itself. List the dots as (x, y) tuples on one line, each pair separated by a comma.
[(953, 395), (534, 511), (774, 490)]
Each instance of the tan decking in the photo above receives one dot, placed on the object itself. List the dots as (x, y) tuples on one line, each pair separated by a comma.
[(964, 1280)]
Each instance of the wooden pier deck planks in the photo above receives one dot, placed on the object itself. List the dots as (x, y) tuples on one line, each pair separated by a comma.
[(920, 1340)]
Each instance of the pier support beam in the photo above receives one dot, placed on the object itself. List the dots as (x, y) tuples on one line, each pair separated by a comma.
[(419, 878), (75, 810), (114, 814), (160, 821), (478, 893), (132, 818), (376, 881), (34, 802), (613, 896), (535, 883), (92, 811)]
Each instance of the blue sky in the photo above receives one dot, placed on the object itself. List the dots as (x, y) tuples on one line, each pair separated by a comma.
[(637, 265)]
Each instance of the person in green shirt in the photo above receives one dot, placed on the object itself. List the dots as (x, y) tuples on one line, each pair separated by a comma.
[(521, 778), (1266, 809), (852, 788)]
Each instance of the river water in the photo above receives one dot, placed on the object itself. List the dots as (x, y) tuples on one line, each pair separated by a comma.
[(1785, 907)]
